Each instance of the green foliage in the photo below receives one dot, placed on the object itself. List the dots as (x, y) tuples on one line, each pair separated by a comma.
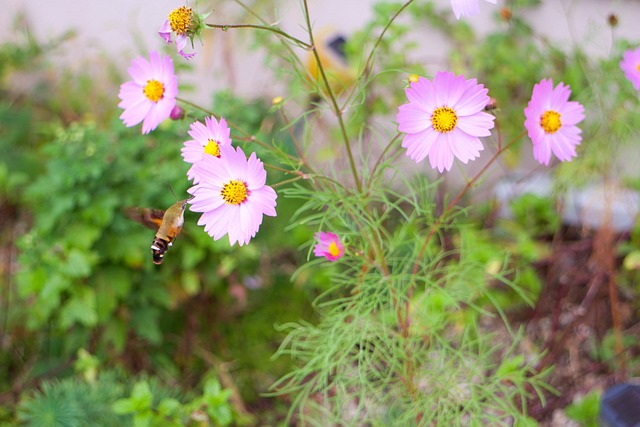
[(85, 272), (209, 409), (102, 401), (442, 368), (536, 214), (586, 410), (409, 327), (72, 402)]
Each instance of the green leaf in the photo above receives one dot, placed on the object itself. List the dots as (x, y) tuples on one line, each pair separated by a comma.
[(81, 309), (78, 264), (511, 366), (115, 334), (141, 396), (585, 411), (632, 260), (81, 236), (190, 282), (169, 407), (123, 406), (144, 321)]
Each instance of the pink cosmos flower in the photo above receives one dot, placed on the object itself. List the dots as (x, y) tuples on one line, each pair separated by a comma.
[(232, 195), (185, 24), (630, 64), (151, 95), (328, 246), (207, 140), (467, 7), (443, 119), (551, 121)]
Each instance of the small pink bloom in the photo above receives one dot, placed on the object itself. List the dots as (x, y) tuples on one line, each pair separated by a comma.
[(328, 246), (151, 95), (551, 119), (630, 64), (232, 195), (444, 119), (208, 139), (467, 7)]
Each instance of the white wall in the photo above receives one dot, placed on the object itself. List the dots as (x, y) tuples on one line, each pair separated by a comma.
[(122, 29)]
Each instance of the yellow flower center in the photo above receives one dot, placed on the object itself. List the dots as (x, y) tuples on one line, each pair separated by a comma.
[(234, 192), (444, 119), (154, 90), (334, 250), (212, 148), (550, 121), (638, 67), (180, 19), (413, 78)]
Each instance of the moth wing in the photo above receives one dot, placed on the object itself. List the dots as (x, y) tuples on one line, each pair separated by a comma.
[(150, 218)]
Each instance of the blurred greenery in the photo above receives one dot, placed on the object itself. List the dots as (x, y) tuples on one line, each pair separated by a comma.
[(86, 279), (91, 329)]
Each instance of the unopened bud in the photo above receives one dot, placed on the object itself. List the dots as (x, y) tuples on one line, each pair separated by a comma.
[(177, 113), (491, 105)]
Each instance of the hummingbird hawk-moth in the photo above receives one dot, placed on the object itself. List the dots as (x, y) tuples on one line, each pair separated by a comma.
[(168, 225)]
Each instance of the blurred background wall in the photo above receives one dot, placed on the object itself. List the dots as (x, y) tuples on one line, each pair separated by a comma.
[(121, 29)]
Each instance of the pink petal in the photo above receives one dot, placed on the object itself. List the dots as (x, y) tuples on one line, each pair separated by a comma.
[(463, 146), (165, 31), (412, 118), (418, 145), (476, 125), (440, 155)]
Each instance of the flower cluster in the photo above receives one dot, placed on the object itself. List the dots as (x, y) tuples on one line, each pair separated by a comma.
[(444, 118), (231, 192)]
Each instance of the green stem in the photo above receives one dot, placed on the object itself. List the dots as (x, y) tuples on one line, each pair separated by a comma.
[(332, 98), (367, 64), (296, 143), (382, 156), (283, 170), (194, 105), (225, 27), (286, 181)]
